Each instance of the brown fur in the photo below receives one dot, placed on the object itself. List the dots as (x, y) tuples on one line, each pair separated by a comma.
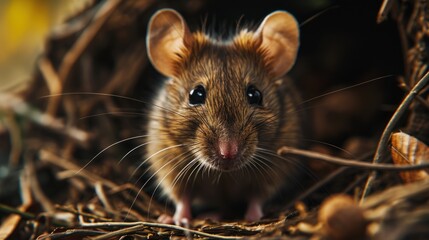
[(225, 69)]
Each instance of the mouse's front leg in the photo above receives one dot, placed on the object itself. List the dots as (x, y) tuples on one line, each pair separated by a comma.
[(254, 210), (183, 214)]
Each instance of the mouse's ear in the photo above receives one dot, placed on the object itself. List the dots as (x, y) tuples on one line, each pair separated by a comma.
[(167, 36), (278, 35)]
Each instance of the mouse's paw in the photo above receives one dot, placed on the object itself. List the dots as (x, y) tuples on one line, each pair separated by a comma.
[(177, 220), (166, 219), (183, 215), (254, 211)]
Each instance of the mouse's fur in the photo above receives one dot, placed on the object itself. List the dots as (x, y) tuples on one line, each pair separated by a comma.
[(182, 139)]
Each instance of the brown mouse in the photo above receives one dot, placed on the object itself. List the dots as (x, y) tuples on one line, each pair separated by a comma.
[(225, 109)]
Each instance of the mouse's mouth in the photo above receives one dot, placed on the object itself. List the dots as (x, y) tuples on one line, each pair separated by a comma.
[(223, 165), (227, 155), (227, 165)]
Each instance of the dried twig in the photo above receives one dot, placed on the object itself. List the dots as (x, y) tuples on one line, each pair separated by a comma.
[(421, 100), (11, 210), (81, 233), (390, 127), (138, 226), (350, 162), (102, 196), (15, 137), (36, 189), (81, 44), (11, 222), (51, 78), (384, 10), (120, 232), (94, 179), (83, 214), (20, 107), (65, 164)]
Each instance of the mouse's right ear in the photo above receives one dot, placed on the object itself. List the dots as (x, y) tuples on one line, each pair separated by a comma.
[(167, 37)]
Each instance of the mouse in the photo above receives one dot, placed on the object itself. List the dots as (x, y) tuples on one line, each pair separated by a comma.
[(221, 113)]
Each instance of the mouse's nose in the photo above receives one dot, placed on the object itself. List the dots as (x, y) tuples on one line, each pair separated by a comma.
[(228, 149)]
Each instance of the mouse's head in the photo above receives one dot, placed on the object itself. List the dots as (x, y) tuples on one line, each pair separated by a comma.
[(223, 93)]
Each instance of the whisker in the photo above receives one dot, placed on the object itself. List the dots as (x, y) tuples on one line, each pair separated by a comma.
[(253, 164), (261, 159), (158, 152), (112, 95), (157, 186), (219, 177), (290, 176), (346, 88), (132, 150), (140, 190), (312, 141), (93, 93), (184, 154), (111, 145), (193, 170), (297, 163), (190, 153), (147, 181), (113, 113), (201, 169), (183, 171), (318, 15)]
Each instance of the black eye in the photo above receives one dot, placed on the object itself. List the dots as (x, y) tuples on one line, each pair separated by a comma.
[(254, 96), (197, 96)]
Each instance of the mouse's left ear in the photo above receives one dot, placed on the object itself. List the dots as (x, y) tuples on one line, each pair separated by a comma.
[(278, 36)]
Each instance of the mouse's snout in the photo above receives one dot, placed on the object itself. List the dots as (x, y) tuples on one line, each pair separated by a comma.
[(228, 154), (228, 149)]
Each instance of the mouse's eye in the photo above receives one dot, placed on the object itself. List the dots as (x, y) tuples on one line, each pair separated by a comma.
[(197, 96), (254, 96)]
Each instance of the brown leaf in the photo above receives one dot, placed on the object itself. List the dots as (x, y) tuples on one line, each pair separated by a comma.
[(407, 150)]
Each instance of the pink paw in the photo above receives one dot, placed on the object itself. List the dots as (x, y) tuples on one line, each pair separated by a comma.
[(254, 211), (166, 219), (181, 217), (178, 220)]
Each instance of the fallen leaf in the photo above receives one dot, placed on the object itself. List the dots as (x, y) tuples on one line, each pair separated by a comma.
[(407, 150)]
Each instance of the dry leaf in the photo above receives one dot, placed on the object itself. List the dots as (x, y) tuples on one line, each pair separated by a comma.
[(407, 150)]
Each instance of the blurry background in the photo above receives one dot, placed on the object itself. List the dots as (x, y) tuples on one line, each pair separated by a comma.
[(24, 25)]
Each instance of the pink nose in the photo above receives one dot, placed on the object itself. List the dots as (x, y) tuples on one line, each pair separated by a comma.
[(228, 149)]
